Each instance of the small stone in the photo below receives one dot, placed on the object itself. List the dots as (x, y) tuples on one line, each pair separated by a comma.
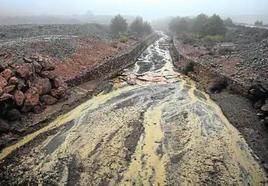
[(13, 81), (48, 100), (24, 70), (3, 82), (19, 97), (9, 88), (7, 73), (48, 74), (27, 60), (5, 97), (58, 93), (264, 108), (37, 67)]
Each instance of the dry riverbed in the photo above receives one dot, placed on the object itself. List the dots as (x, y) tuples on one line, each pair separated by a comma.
[(152, 127)]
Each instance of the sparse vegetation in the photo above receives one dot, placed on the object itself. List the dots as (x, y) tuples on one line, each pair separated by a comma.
[(201, 25), (258, 23)]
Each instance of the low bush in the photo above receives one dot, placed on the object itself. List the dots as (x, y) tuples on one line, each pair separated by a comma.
[(123, 39), (216, 38), (189, 67)]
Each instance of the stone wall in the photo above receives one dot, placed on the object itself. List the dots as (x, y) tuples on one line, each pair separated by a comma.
[(113, 66), (214, 81)]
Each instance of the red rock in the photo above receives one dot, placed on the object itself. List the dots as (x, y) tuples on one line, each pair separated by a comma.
[(24, 70), (13, 81), (43, 85), (5, 97), (48, 74), (19, 97), (58, 93), (3, 82), (31, 99), (9, 88), (48, 100), (7, 73)]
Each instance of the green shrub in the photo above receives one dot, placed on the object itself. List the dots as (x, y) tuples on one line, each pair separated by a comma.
[(123, 39), (189, 67), (214, 38)]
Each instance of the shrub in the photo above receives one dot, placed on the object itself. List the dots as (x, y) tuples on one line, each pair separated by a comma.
[(228, 22), (214, 38), (215, 26), (189, 67), (118, 25), (123, 39), (201, 25), (258, 23), (140, 28)]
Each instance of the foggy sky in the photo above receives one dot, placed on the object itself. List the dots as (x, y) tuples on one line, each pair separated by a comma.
[(147, 8)]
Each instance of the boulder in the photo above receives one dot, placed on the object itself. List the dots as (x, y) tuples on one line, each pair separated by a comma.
[(13, 115), (43, 85), (24, 70), (3, 82), (48, 100), (13, 81), (19, 97), (31, 99), (58, 93), (9, 88), (5, 97), (7, 73)]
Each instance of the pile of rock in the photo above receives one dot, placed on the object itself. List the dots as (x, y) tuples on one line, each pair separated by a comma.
[(259, 95), (28, 87)]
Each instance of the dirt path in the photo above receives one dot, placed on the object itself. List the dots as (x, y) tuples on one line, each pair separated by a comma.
[(160, 130)]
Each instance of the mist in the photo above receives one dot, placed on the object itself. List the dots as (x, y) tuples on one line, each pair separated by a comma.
[(240, 10)]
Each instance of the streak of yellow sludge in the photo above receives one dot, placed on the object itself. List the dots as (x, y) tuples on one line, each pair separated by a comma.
[(61, 120), (148, 164)]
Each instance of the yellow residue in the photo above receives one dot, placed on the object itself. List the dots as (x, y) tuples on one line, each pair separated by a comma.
[(148, 163), (61, 120)]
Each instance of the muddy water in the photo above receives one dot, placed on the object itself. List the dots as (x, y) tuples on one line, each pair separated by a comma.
[(160, 130)]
